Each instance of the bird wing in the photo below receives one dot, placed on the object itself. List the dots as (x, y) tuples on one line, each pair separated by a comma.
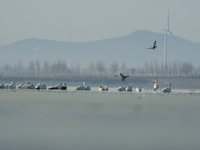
[(121, 75), (154, 43)]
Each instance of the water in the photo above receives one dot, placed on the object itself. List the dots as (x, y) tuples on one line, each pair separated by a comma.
[(87, 120)]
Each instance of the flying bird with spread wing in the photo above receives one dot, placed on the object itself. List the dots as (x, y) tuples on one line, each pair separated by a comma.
[(154, 46), (123, 77)]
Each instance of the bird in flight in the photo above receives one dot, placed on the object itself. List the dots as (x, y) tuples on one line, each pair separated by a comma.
[(154, 46), (123, 77)]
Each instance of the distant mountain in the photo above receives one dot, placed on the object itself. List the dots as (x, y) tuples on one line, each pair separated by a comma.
[(132, 49)]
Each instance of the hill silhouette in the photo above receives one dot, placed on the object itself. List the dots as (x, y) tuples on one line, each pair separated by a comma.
[(132, 49)]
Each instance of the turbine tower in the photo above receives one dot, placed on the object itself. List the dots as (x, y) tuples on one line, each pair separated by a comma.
[(165, 41), (36, 51)]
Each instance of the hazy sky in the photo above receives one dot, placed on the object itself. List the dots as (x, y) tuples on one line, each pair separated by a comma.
[(91, 20)]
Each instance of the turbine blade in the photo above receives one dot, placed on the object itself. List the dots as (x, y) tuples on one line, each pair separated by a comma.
[(172, 35)]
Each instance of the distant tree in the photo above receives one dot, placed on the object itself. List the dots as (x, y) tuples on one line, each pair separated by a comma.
[(146, 67), (170, 69), (142, 71), (198, 69), (127, 71), (10, 70), (37, 66), (100, 67), (72, 69), (162, 69), (77, 69), (156, 68), (59, 67), (91, 68), (187, 68), (64, 67), (114, 67), (46, 67), (139, 70), (123, 66), (151, 68), (15, 69), (133, 71), (6, 68), (54, 68), (31, 68), (166, 69), (19, 67), (174, 68)]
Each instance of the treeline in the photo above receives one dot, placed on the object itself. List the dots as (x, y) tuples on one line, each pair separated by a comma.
[(99, 68)]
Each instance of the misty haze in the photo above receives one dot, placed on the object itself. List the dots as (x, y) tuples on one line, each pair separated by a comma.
[(99, 75)]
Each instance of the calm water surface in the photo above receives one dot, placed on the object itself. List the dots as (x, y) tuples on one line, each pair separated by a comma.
[(95, 120)]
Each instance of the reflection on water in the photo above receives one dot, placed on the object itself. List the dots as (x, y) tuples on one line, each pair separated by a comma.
[(87, 120)]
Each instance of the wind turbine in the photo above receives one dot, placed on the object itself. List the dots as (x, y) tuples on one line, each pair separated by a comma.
[(36, 51), (165, 41)]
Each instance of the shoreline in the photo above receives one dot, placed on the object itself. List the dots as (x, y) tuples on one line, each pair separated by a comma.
[(113, 82)]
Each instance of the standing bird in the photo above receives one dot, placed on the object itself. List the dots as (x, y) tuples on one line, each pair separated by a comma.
[(123, 77), (154, 46), (156, 85)]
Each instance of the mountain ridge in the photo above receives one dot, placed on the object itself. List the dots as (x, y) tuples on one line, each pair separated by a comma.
[(131, 49)]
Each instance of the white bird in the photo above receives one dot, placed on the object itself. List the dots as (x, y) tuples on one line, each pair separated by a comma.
[(40, 86), (156, 85), (64, 86), (103, 88), (167, 89), (83, 87), (12, 85), (60, 86), (129, 88), (25, 85), (121, 88), (2, 86), (31, 86), (6, 86), (138, 89), (20, 86), (28, 86)]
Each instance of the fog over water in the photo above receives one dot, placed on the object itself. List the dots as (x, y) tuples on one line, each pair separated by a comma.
[(111, 120)]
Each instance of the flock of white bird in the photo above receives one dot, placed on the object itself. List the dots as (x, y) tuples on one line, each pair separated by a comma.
[(63, 86)]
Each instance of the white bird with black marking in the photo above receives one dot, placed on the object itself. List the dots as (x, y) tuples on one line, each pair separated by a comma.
[(12, 85), (156, 85), (138, 89), (103, 88), (128, 89), (2, 86), (83, 87), (121, 88), (167, 89)]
